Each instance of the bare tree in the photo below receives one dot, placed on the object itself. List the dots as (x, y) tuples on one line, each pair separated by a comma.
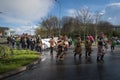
[(41, 31), (50, 23), (67, 23), (85, 17), (97, 21), (70, 25)]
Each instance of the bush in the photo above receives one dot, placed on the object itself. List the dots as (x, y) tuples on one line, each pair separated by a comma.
[(4, 51)]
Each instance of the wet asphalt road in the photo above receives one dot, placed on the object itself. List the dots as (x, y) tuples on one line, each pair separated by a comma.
[(73, 68)]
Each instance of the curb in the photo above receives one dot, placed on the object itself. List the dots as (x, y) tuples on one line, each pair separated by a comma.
[(8, 74), (21, 69)]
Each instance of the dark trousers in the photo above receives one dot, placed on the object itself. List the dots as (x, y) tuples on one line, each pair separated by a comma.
[(112, 47), (39, 49), (51, 50), (87, 53), (32, 47), (28, 45), (59, 52)]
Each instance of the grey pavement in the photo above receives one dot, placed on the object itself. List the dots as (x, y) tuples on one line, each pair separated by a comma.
[(74, 68)]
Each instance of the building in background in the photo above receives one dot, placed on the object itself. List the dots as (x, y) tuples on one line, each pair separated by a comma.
[(4, 31), (116, 28)]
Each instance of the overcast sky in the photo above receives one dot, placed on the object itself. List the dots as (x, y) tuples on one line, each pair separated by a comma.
[(24, 15)]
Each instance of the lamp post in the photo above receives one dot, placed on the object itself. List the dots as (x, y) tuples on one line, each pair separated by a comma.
[(59, 16)]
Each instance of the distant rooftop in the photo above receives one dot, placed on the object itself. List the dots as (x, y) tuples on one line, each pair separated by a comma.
[(5, 28)]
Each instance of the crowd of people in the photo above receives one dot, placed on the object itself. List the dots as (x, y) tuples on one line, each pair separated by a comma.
[(102, 46), (61, 45), (25, 41)]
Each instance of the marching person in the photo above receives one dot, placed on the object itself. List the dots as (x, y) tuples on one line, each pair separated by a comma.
[(88, 48), (52, 45), (78, 48), (102, 43), (66, 44), (60, 48)]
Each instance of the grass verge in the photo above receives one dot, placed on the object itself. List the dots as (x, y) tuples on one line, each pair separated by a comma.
[(17, 59)]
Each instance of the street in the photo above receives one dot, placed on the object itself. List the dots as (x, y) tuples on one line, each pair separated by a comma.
[(73, 68)]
